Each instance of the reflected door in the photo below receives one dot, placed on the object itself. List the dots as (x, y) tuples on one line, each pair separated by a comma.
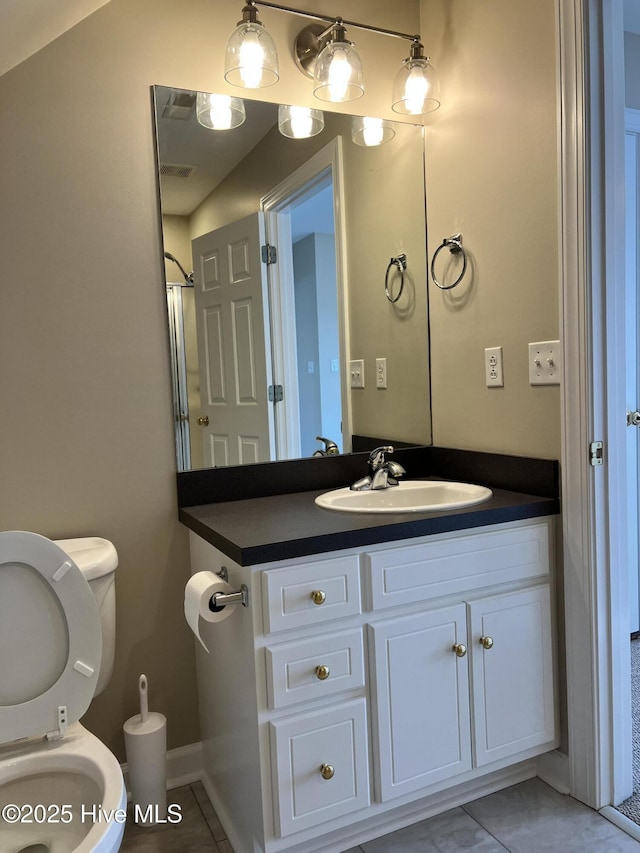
[(233, 344)]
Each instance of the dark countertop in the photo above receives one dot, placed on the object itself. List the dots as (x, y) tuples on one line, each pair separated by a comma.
[(284, 526)]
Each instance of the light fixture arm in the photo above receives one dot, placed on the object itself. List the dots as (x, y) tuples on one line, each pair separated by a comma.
[(316, 16)]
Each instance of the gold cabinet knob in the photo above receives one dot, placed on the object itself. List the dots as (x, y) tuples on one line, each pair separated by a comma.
[(323, 672), (318, 596), (460, 650), (326, 771), (203, 420), (486, 642)]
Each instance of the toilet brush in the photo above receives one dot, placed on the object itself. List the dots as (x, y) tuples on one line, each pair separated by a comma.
[(145, 740)]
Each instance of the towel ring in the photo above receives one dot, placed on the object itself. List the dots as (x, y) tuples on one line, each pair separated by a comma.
[(454, 244), (401, 263)]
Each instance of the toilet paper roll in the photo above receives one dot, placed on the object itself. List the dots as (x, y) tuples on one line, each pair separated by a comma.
[(197, 595), (145, 743)]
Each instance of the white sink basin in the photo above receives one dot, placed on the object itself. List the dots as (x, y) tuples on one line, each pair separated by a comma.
[(407, 496)]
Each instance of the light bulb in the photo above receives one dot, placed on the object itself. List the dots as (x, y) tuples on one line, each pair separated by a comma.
[(219, 112), (369, 132), (339, 76), (251, 59), (299, 122), (372, 131), (415, 91)]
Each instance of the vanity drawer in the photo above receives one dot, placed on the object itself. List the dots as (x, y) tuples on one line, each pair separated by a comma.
[(459, 563), (311, 669), (321, 766), (311, 593)]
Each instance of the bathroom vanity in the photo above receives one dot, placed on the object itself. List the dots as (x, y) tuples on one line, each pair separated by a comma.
[(385, 669)]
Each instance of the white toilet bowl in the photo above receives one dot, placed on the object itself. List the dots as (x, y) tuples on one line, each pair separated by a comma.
[(61, 789)]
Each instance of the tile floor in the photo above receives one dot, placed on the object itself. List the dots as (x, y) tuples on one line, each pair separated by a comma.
[(527, 818)]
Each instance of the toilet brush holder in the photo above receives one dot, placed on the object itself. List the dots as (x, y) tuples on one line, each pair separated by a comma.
[(145, 740)]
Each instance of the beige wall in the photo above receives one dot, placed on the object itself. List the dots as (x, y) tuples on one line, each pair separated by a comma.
[(87, 445), (492, 174), (632, 70)]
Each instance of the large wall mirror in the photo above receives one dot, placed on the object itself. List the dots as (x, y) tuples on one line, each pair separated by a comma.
[(296, 279)]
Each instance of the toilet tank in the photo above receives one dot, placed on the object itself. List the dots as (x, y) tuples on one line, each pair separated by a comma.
[(97, 559)]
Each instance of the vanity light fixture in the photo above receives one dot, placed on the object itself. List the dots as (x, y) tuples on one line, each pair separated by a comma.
[(368, 131), (338, 69), (299, 122), (251, 59), (219, 112), (325, 54), (416, 89)]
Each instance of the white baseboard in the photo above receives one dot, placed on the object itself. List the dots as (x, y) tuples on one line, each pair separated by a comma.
[(553, 768), (184, 765)]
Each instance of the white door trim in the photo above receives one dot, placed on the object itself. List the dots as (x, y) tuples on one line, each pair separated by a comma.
[(329, 158), (593, 403)]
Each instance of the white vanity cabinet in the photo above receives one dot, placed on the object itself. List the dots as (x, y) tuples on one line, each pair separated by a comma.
[(367, 682)]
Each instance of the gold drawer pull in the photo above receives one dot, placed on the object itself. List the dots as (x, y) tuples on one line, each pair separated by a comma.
[(318, 596), (460, 650), (323, 672), (486, 642), (326, 771)]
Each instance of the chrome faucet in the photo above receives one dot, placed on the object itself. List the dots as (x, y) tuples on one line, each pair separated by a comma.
[(330, 447), (383, 472)]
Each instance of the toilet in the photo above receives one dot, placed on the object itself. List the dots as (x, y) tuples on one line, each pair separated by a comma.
[(61, 789)]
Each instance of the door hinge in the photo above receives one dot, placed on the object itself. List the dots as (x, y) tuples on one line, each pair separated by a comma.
[(276, 394), (596, 453), (269, 254)]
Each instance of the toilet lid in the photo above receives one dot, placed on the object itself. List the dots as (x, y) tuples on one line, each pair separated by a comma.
[(51, 640)]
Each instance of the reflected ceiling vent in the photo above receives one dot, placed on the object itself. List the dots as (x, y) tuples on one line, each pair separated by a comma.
[(180, 106), (175, 170)]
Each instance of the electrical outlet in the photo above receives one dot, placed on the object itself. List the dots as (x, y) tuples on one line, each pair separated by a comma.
[(493, 367), (381, 372), (545, 363), (356, 372)]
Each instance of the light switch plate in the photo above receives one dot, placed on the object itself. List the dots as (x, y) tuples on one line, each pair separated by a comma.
[(356, 372), (381, 372), (545, 363)]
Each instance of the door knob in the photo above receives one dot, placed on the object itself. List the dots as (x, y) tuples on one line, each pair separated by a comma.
[(203, 420)]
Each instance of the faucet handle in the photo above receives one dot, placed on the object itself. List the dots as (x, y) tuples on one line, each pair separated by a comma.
[(330, 447), (376, 457)]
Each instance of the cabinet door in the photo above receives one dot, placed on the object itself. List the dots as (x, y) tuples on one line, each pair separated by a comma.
[(321, 766), (512, 681), (422, 695)]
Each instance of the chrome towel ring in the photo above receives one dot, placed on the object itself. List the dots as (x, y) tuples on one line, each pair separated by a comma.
[(454, 244), (401, 264)]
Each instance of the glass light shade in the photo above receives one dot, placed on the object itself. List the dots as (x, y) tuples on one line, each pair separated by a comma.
[(416, 89), (369, 131), (338, 73), (299, 122), (219, 112), (251, 60)]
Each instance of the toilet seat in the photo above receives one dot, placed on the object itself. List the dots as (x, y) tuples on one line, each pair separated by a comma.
[(50, 664)]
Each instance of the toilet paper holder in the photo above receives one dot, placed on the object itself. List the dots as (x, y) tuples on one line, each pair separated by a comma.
[(221, 599)]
